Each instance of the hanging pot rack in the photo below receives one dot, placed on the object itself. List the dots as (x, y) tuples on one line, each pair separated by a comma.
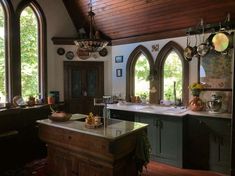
[(210, 28)]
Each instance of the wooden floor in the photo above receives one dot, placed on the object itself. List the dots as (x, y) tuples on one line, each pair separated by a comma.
[(158, 169), (37, 168)]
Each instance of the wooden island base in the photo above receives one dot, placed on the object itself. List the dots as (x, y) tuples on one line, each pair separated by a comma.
[(72, 153)]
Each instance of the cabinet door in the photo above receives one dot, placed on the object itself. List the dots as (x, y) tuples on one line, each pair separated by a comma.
[(220, 153), (169, 140), (151, 130), (220, 140), (210, 141), (169, 133), (59, 161), (83, 81), (91, 169)]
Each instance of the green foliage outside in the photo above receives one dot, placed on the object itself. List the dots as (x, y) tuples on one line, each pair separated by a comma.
[(142, 71), (29, 53), (172, 72), (2, 56)]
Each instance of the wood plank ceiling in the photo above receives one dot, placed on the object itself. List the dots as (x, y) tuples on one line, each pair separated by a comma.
[(127, 21)]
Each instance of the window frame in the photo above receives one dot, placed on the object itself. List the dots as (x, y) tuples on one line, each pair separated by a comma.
[(42, 47), (8, 15), (159, 64), (130, 70)]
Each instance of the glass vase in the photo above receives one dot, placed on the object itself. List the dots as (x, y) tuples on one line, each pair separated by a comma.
[(196, 104)]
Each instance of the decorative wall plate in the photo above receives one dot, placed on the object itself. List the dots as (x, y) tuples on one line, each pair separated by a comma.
[(69, 55), (83, 54), (103, 52), (60, 51)]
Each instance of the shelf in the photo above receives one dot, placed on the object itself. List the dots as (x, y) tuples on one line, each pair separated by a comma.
[(216, 89), (63, 40)]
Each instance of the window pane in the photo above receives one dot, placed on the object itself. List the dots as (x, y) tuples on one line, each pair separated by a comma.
[(76, 85), (2, 56), (29, 53), (172, 72), (141, 74)]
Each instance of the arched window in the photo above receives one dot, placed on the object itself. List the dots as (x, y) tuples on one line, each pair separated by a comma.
[(3, 92), (172, 77), (32, 50), (173, 74), (29, 53), (139, 68), (141, 73), (5, 33)]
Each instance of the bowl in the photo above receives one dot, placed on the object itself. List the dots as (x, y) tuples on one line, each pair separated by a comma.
[(60, 118), (214, 106)]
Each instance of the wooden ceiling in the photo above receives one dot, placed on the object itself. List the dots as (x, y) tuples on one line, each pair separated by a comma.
[(127, 21)]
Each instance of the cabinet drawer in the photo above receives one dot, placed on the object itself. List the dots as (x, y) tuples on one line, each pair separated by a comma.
[(74, 141)]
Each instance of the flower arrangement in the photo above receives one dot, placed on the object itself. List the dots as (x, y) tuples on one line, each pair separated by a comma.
[(196, 88)]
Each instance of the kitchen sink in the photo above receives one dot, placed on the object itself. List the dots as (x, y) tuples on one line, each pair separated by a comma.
[(175, 110)]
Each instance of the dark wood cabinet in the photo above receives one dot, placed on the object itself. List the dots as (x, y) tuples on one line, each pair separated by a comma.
[(83, 81), (19, 141), (79, 153), (165, 135)]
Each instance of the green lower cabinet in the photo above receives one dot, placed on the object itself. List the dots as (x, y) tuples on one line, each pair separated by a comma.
[(165, 135), (220, 153), (220, 141), (207, 145)]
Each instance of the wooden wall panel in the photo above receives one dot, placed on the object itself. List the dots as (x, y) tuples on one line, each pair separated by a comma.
[(126, 20)]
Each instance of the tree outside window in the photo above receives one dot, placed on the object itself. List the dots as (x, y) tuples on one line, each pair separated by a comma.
[(142, 71), (29, 53), (2, 56), (172, 72)]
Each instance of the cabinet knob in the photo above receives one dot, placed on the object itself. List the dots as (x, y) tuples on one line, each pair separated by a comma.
[(69, 137)]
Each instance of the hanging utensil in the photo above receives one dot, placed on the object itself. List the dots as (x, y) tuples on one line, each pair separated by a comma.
[(203, 48), (189, 51), (222, 40)]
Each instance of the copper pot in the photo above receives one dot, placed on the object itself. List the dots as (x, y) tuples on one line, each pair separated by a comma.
[(222, 41), (189, 51)]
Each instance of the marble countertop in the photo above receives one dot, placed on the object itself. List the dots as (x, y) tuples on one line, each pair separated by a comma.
[(114, 129), (165, 110)]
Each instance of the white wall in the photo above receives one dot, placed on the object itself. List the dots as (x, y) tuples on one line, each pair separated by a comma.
[(119, 83)]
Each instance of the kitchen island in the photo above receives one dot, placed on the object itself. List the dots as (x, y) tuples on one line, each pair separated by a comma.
[(74, 149)]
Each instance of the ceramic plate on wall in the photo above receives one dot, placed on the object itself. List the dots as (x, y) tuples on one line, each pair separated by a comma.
[(83, 54), (103, 52), (69, 55), (60, 51)]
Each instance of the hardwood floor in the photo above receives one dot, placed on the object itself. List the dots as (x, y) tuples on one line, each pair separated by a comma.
[(38, 168), (158, 169)]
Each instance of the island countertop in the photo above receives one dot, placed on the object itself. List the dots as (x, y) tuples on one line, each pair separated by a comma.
[(165, 110), (113, 130)]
